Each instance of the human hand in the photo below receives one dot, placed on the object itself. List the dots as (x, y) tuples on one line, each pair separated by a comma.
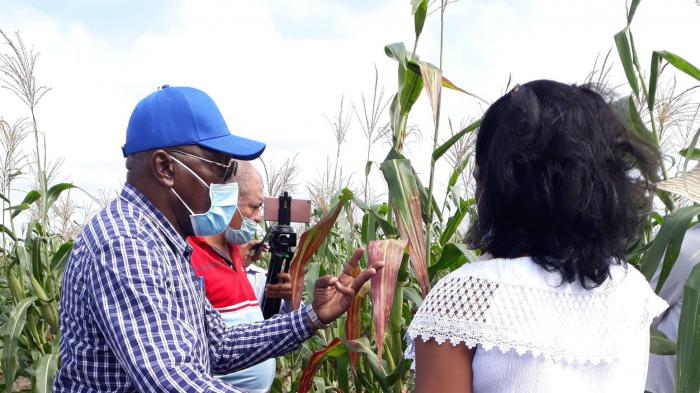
[(334, 295), (252, 251), (282, 290)]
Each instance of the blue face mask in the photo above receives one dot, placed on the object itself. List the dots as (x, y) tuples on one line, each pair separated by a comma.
[(243, 235), (224, 200)]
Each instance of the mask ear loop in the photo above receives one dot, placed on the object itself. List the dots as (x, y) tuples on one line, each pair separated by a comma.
[(242, 219), (195, 175), (183, 202), (190, 170)]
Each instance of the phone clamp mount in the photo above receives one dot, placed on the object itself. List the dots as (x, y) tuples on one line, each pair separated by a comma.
[(282, 240)]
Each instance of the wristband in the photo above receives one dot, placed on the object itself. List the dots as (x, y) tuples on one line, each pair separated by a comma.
[(315, 322)]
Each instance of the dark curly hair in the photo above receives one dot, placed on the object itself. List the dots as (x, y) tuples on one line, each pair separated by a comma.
[(560, 179)]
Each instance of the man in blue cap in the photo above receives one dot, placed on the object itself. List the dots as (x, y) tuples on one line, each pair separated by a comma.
[(134, 316)]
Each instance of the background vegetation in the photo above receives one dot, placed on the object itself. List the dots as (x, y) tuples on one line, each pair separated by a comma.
[(38, 226)]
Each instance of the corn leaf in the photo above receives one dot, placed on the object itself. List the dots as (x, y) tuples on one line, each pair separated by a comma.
[(55, 191), (59, 257), (334, 349), (361, 345), (660, 344), (309, 243), (410, 82), (432, 82), (389, 253), (30, 198), (353, 323), (452, 257), (420, 12), (388, 229), (442, 149), (454, 222), (667, 244), (691, 154), (688, 351), (422, 190), (678, 62), (624, 50), (407, 209), (8, 232), (632, 10), (446, 83), (45, 373), (13, 329)]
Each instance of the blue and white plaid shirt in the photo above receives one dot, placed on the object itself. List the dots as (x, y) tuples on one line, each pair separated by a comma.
[(134, 316)]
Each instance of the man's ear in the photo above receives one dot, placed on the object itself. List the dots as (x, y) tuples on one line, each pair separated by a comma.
[(163, 169)]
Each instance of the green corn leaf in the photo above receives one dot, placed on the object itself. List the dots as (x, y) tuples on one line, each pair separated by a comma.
[(420, 12), (660, 344), (413, 294), (458, 171), (688, 351), (624, 50), (691, 154), (8, 232), (422, 190), (453, 256), (442, 149), (667, 243), (30, 198), (55, 191), (632, 10), (59, 258), (45, 373), (680, 64), (653, 80), (368, 230), (673, 59), (410, 87), (13, 329), (24, 258), (454, 221), (397, 51), (398, 373), (638, 125), (666, 199), (361, 345), (389, 230)]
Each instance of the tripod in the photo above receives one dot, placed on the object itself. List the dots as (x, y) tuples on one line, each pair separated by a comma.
[(282, 239)]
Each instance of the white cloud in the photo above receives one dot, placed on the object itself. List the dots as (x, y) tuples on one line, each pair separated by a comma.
[(276, 86)]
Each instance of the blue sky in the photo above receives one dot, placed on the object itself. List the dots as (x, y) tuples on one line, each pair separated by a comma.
[(111, 19)]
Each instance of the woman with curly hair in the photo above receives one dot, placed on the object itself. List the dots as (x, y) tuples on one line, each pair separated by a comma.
[(562, 188)]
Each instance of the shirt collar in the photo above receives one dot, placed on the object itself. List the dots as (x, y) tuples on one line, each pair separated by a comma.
[(253, 268), (132, 195)]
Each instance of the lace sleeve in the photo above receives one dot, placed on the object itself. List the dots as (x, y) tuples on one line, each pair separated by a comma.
[(579, 327)]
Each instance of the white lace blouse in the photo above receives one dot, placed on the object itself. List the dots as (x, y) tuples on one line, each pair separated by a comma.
[(533, 333)]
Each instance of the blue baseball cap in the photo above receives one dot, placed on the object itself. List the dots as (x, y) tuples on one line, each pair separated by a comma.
[(178, 116)]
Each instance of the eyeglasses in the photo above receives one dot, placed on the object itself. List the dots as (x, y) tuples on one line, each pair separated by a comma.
[(228, 170)]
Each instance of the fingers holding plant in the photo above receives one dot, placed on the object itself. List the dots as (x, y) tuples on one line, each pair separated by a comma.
[(332, 296)]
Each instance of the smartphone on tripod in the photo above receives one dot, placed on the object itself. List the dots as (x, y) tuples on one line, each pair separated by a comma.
[(282, 240)]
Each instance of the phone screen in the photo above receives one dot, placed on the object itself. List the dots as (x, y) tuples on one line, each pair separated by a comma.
[(300, 210)]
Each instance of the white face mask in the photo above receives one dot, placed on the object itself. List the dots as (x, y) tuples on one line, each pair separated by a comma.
[(224, 201), (243, 235)]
